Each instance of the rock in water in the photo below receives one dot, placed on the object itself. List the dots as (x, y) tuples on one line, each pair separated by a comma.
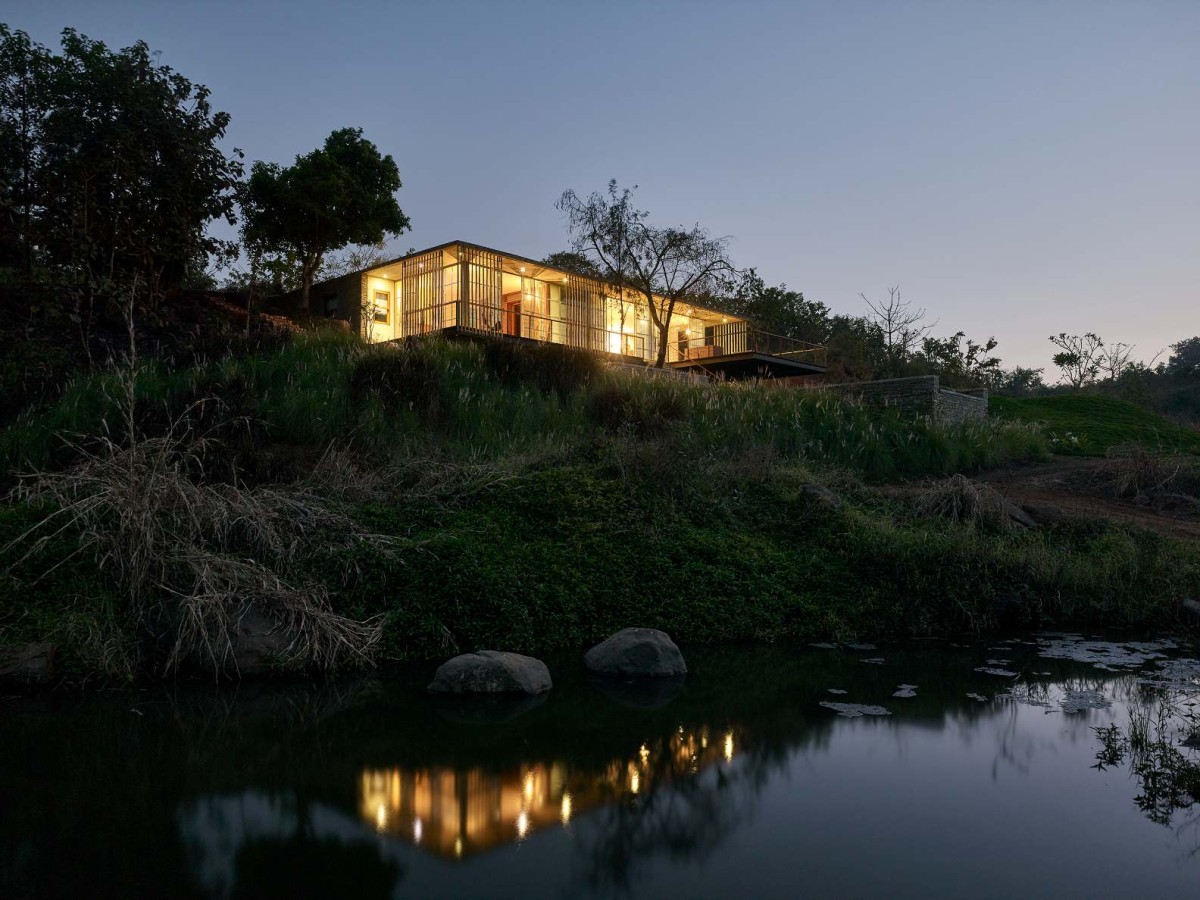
[(491, 672), (638, 652)]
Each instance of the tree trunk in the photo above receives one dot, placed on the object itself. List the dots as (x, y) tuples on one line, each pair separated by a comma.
[(307, 272)]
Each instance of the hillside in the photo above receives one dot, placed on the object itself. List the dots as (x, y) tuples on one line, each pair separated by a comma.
[(1093, 424), (393, 503)]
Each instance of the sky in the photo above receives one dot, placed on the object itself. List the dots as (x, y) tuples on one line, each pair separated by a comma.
[(1018, 168)]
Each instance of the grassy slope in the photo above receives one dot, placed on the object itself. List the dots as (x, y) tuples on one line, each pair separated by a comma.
[(543, 504), (1100, 423)]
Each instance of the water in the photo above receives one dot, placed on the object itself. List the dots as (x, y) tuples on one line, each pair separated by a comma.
[(749, 779)]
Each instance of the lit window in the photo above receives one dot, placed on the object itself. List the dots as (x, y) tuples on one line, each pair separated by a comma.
[(383, 307)]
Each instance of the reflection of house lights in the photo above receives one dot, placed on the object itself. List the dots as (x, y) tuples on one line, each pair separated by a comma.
[(381, 817), (644, 753), (522, 824), (565, 813), (458, 846), (635, 782), (729, 747), (528, 786), (418, 829)]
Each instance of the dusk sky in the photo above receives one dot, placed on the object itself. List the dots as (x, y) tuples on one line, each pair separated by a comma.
[(1018, 168)]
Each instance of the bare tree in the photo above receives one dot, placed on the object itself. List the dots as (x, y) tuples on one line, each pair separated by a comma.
[(662, 267), (900, 325), (1115, 359), (1079, 357)]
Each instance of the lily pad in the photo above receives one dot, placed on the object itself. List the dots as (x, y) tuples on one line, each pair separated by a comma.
[(1077, 701), (854, 710)]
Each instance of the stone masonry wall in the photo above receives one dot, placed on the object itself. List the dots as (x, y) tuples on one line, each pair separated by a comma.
[(921, 395)]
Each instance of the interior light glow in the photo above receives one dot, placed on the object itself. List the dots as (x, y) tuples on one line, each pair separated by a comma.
[(565, 812), (522, 824), (729, 746), (418, 830)]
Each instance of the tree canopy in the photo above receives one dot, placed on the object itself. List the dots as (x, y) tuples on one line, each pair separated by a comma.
[(341, 193), (110, 168)]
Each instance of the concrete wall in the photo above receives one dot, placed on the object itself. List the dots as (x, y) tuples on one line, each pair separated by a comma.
[(921, 395)]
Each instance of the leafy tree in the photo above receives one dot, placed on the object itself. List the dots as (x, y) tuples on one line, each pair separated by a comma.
[(1185, 357), (950, 359), (28, 74), (1018, 382), (574, 263), (342, 193), (1078, 357), (111, 169), (778, 310), (662, 267)]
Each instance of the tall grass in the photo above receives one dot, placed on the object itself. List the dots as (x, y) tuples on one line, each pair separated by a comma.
[(479, 401)]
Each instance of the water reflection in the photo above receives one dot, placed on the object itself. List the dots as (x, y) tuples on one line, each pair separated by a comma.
[(457, 812), (740, 783)]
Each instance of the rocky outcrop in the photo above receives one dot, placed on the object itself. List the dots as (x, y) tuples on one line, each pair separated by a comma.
[(27, 664), (638, 652), (491, 672)]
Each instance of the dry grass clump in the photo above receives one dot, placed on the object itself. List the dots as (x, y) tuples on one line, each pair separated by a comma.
[(1135, 468), (194, 556), (959, 499), (342, 475)]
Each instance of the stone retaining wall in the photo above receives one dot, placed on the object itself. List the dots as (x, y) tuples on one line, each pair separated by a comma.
[(920, 395)]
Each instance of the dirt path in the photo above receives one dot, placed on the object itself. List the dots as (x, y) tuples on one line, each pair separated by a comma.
[(1061, 487)]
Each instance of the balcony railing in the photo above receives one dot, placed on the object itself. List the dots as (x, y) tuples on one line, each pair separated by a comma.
[(731, 338)]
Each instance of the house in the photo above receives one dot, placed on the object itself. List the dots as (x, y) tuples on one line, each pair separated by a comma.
[(465, 289)]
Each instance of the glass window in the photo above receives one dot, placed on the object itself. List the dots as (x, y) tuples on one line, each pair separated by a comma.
[(383, 307)]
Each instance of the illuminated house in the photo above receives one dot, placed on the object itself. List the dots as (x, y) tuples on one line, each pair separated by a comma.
[(460, 288)]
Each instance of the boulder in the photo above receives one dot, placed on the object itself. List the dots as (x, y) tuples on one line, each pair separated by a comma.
[(638, 652), (491, 672), (27, 663)]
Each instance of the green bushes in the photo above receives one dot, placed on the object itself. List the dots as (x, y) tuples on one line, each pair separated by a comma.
[(488, 399)]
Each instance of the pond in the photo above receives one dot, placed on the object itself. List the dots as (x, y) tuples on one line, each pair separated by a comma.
[(1039, 765)]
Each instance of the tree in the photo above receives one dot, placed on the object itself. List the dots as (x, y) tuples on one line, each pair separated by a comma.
[(778, 310), (1078, 357), (342, 193), (1114, 359), (900, 326), (111, 169), (1018, 382), (573, 263), (951, 360), (1185, 357), (662, 267)]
